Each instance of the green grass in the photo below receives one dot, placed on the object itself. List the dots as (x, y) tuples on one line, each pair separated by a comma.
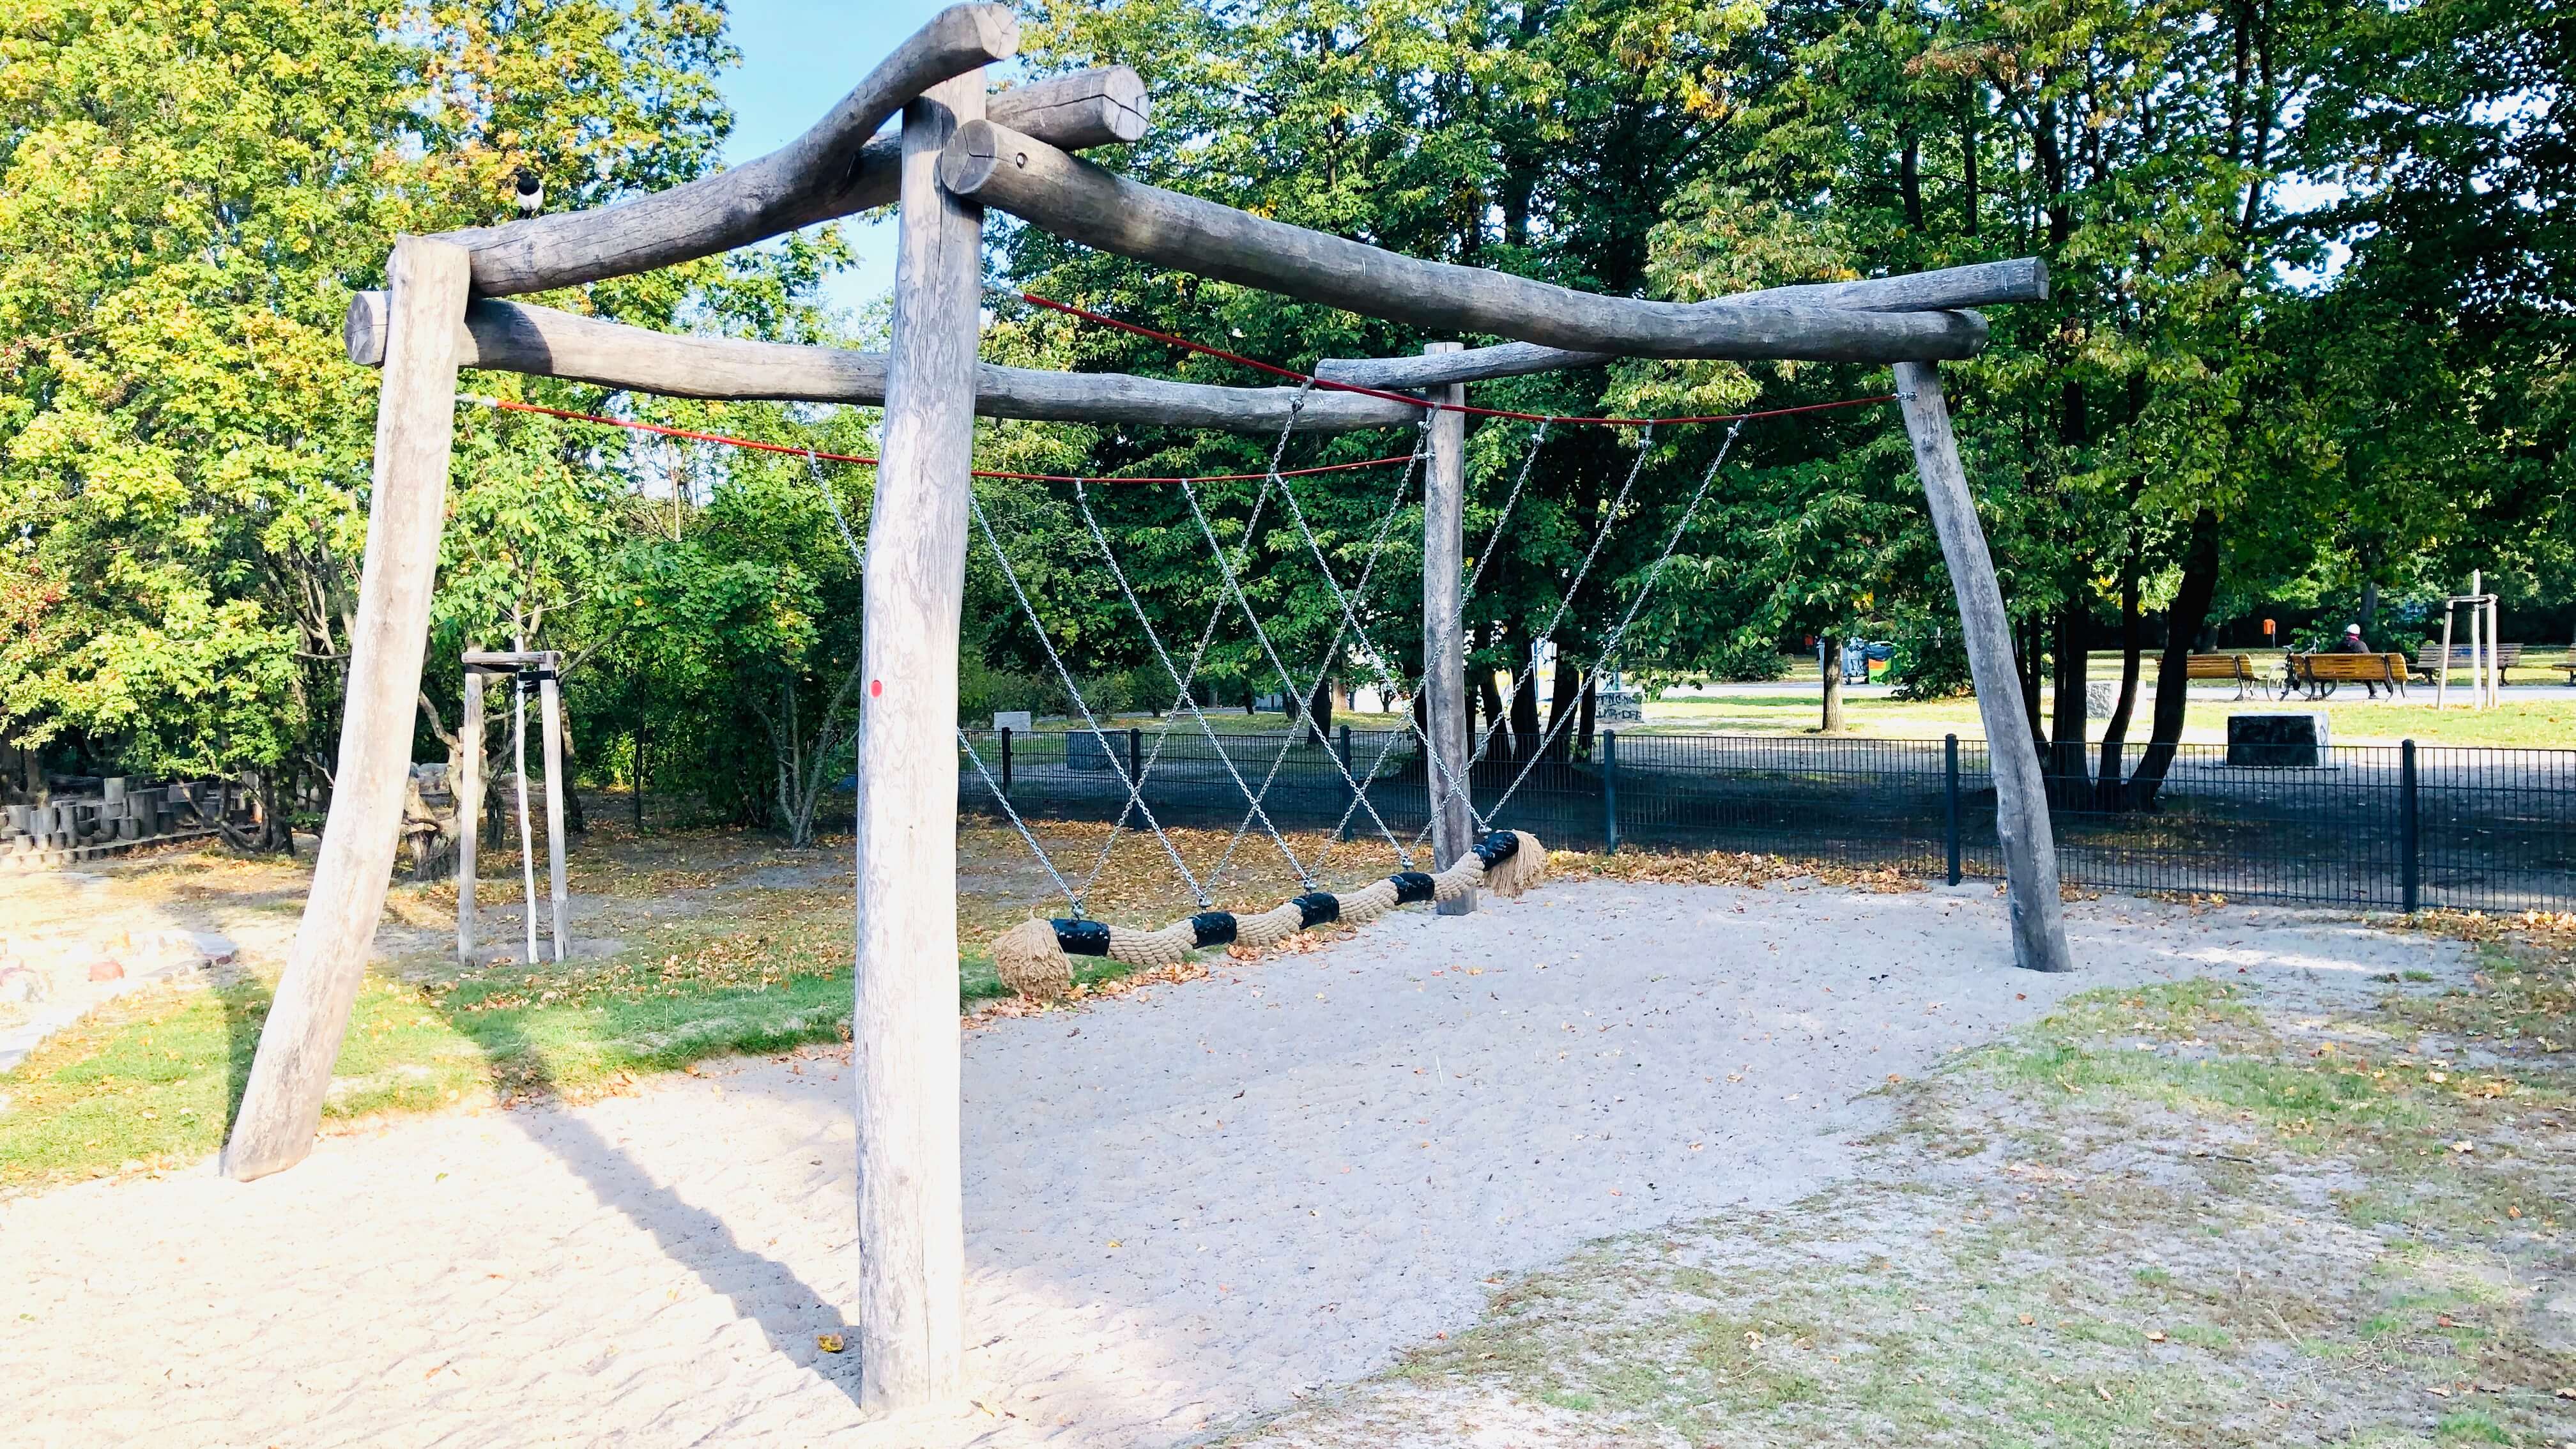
[(151, 1081)]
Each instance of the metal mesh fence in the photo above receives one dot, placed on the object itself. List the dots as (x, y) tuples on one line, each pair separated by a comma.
[(2381, 827)]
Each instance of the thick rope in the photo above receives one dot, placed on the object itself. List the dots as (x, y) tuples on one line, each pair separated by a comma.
[(1034, 958)]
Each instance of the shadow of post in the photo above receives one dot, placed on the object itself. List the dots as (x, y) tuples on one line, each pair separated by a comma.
[(789, 1311), (245, 1001)]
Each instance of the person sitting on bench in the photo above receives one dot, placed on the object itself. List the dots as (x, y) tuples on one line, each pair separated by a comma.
[(2352, 644)]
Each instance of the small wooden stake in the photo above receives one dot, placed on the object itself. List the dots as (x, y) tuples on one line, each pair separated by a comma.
[(2021, 800), (415, 432), (468, 786), (1444, 655), (550, 703), (912, 1241)]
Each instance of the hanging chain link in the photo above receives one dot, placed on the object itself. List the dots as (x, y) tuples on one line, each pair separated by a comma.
[(1645, 589)]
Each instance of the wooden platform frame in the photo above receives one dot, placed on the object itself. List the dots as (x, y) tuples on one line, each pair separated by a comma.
[(958, 151)]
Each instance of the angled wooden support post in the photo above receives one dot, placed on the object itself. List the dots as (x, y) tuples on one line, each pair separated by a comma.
[(912, 1244), (1444, 654), (415, 429), (468, 787), (2021, 801)]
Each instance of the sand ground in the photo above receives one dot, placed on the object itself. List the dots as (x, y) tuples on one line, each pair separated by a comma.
[(1184, 1207)]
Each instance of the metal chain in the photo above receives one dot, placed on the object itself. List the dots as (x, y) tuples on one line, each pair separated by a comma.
[(1645, 588), (1288, 681), (1351, 622), (1182, 682), (1070, 899), (1494, 539), (1065, 676), (1565, 599)]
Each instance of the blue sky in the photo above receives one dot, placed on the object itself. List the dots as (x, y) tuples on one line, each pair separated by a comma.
[(798, 57)]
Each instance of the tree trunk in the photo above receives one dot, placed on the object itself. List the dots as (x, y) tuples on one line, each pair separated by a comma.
[(1319, 712), (2115, 731), (1564, 692), (2034, 652), (2369, 620), (2067, 774), (2183, 623), (1524, 715), (637, 783), (1829, 665), (1590, 716)]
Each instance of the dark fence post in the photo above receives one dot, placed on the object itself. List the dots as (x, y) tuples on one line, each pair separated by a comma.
[(1006, 761), (1950, 802), (1610, 791), (2410, 834), (1350, 786), (1136, 768)]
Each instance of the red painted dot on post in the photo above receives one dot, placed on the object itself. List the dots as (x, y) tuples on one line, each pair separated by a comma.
[(876, 687)]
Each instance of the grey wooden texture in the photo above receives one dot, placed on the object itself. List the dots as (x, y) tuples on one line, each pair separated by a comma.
[(1444, 654), (415, 427), (815, 179), (2021, 280), (468, 786), (758, 199), (541, 341), (527, 831), (2021, 797), (550, 702), (1081, 202), (912, 1241)]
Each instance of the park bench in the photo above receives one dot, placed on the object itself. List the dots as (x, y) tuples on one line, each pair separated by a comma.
[(2237, 668), (2507, 656), (2316, 675)]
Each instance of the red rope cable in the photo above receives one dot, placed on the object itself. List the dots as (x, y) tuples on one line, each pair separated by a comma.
[(1276, 370), (730, 441)]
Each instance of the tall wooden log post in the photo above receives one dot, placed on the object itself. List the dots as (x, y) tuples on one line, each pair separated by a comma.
[(415, 430), (912, 1244), (550, 705), (1444, 653), (468, 788), (2021, 800)]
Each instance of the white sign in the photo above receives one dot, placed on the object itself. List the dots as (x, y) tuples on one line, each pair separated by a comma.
[(1014, 720)]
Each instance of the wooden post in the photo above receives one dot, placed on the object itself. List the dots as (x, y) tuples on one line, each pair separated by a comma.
[(912, 1245), (550, 704), (2477, 637), (468, 786), (415, 431), (2442, 680), (527, 836), (1444, 653), (2021, 801)]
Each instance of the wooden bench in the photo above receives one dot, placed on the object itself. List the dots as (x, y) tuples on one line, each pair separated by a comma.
[(2316, 675), (2507, 656), (2238, 668)]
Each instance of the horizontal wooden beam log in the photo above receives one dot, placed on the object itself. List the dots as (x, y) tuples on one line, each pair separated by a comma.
[(835, 169), (541, 341), (2023, 279), (1081, 202)]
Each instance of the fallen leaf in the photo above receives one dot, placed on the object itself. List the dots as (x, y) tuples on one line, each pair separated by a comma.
[(830, 1342), (2156, 1336)]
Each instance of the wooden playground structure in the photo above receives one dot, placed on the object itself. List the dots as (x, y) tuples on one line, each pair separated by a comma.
[(960, 150)]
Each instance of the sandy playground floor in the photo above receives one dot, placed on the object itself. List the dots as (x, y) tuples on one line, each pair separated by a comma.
[(1185, 1208)]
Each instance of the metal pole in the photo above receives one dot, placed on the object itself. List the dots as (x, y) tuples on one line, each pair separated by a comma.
[(1136, 765), (1006, 761), (2495, 651), (1950, 803), (2410, 832), (1350, 790), (1610, 791)]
